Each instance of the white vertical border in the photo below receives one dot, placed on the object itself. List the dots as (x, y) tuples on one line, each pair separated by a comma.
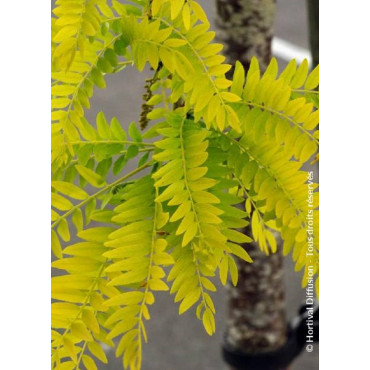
[(25, 189), (344, 185)]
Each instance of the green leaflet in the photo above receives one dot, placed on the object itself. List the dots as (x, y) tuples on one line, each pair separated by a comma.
[(185, 153), (276, 188), (137, 255)]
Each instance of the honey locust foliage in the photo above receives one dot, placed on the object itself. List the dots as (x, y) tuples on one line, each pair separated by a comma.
[(219, 155)]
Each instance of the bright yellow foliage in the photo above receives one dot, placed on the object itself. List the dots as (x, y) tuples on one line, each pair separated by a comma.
[(226, 153)]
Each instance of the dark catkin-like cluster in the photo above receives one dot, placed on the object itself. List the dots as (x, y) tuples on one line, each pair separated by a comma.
[(145, 108)]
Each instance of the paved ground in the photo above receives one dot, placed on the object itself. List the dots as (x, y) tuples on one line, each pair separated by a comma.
[(180, 343)]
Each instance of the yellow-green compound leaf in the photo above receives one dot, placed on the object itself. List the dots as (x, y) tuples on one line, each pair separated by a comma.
[(77, 219), (125, 341), (125, 299), (248, 206), (223, 269), (90, 176), (183, 66), (122, 327), (69, 189), (60, 202), (59, 103), (162, 219), (68, 295), (312, 120), (253, 68), (89, 363), (186, 222), (156, 6), (117, 131), (300, 75), (96, 234), (90, 320), (54, 215), (240, 252), (63, 230), (85, 249), (163, 259), (237, 236), (312, 80), (238, 79), (199, 12), (272, 68), (157, 284), (271, 240), (186, 16), (255, 225), (62, 90), (167, 58), (176, 6), (174, 43), (189, 300), (70, 281), (102, 126), (80, 331), (233, 119), (97, 78), (230, 97), (233, 270), (134, 132), (97, 351), (289, 71), (308, 150), (71, 349), (55, 245), (209, 302), (222, 83), (294, 105), (219, 70), (301, 236), (153, 55), (190, 234), (155, 99), (220, 118), (76, 264), (207, 284), (209, 321)]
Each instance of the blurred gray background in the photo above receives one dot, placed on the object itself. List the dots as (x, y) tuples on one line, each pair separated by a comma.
[(180, 342)]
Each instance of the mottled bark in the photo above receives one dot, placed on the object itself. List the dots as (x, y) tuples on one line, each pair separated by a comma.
[(245, 27), (256, 315), (256, 312), (313, 18)]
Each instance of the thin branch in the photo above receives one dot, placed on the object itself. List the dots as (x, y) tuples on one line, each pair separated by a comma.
[(101, 191), (92, 155), (138, 143), (306, 91)]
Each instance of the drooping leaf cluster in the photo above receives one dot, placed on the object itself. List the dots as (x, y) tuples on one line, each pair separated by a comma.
[(219, 155)]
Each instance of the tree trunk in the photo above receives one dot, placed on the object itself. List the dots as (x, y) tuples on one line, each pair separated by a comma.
[(256, 306), (246, 29), (256, 313), (313, 19)]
